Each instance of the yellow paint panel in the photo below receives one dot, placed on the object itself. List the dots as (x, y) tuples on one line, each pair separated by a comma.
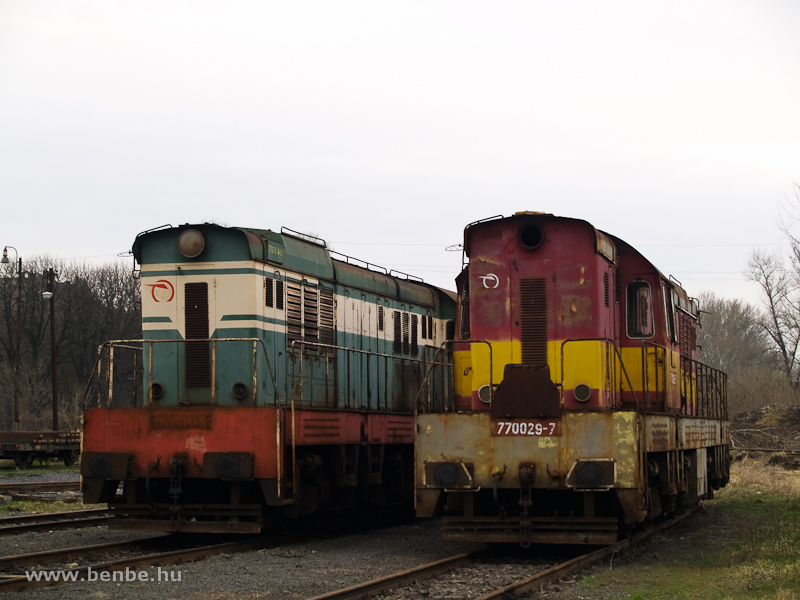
[(467, 437)]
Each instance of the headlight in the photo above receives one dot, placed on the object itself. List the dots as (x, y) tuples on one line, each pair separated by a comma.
[(191, 243), (582, 392), (485, 394)]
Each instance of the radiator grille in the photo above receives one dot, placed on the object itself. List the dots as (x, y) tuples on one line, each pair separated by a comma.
[(533, 319), (198, 355)]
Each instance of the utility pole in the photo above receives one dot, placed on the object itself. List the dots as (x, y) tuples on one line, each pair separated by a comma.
[(17, 331), (50, 295)]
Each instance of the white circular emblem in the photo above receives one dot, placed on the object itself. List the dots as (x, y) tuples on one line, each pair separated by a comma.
[(487, 279)]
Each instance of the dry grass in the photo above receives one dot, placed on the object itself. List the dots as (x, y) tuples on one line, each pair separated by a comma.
[(759, 477)]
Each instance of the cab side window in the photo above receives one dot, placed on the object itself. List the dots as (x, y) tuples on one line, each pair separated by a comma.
[(639, 308)]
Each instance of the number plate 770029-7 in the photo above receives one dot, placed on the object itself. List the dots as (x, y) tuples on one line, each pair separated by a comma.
[(526, 427)]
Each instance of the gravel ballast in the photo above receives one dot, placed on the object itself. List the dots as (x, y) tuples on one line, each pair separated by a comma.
[(301, 570)]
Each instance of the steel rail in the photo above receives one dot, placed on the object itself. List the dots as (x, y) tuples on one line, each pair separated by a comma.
[(52, 556), (50, 521), (580, 562), (21, 582), (383, 584), (44, 486), (364, 590)]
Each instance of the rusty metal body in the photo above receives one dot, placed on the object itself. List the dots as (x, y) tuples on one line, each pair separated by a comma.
[(273, 381), (583, 410)]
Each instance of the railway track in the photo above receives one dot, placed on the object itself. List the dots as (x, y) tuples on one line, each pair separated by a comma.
[(39, 486), (11, 582), (50, 521), (444, 568), (51, 557)]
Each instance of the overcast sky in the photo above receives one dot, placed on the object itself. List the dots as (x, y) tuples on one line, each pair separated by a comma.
[(385, 128)]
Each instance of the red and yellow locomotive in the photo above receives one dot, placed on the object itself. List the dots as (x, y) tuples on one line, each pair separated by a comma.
[(580, 407)]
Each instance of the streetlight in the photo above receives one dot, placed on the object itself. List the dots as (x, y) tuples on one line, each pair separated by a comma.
[(48, 295), (18, 328)]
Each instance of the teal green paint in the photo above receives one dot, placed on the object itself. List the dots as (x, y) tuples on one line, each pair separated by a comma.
[(259, 318), (156, 320), (161, 334), (194, 272), (221, 245), (308, 259)]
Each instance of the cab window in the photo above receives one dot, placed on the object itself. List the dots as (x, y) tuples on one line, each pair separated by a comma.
[(639, 310)]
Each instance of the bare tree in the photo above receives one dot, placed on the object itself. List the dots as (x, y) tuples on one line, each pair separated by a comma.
[(781, 320), (92, 303), (734, 339), (731, 337)]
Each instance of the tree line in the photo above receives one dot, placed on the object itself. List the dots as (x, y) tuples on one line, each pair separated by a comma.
[(759, 346), (93, 304)]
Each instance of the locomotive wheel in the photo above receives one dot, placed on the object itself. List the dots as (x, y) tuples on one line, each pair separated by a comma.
[(23, 461), (69, 457)]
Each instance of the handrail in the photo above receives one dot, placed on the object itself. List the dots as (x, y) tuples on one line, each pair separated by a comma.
[(704, 397), (123, 344), (303, 343), (646, 371), (433, 362), (619, 356)]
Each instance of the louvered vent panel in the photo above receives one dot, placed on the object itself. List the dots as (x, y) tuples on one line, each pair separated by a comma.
[(533, 312), (405, 333), (380, 318), (197, 356), (311, 314), (294, 312), (605, 289), (279, 295), (397, 345), (414, 330), (327, 325), (268, 292)]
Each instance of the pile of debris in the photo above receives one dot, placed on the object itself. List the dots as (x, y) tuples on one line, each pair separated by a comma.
[(773, 430)]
